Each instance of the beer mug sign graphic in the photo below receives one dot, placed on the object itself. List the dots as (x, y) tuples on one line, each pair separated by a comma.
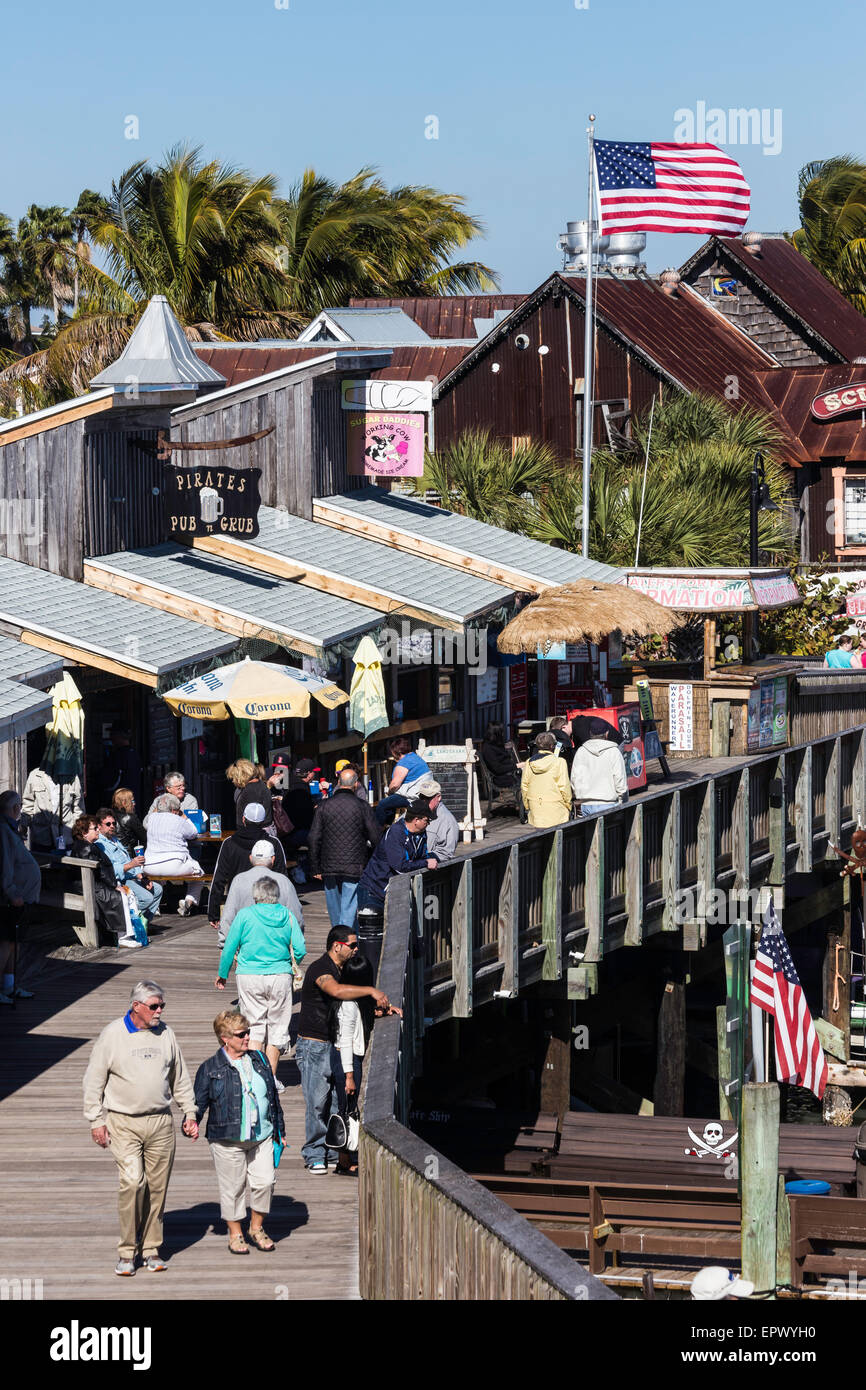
[(211, 504)]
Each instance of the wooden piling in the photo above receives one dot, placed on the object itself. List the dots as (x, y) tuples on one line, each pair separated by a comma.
[(724, 1055), (759, 1172), (669, 1090)]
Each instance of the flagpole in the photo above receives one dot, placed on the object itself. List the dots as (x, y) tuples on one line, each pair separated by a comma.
[(588, 350)]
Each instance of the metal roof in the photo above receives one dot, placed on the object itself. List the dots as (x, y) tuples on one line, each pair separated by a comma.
[(55, 415), (105, 625), (379, 327), (317, 619), (438, 590), (794, 283), (242, 363), (158, 354), (21, 662), (450, 315), (21, 709), (541, 564), (791, 393)]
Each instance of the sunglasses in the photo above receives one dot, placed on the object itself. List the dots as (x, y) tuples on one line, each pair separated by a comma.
[(111, 824), (153, 1007), (244, 1033)]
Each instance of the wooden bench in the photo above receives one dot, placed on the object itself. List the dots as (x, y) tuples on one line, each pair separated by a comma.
[(507, 799), (828, 1237), (635, 1220), (83, 902)]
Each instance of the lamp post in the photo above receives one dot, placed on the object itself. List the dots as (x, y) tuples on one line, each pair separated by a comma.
[(760, 500)]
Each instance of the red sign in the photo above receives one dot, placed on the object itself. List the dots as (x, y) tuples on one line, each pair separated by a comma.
[(840, 402), (855, 604)]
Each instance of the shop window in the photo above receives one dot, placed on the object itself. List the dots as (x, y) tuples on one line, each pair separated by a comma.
[(855, 511), (447, 691)]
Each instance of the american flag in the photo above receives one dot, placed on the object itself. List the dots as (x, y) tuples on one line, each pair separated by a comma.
[(652, 187), (777, 990)]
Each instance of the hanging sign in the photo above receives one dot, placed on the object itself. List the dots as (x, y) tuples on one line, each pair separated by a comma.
[(680, 718), (211, 501), (375, 394), (385, 444), (844, 399)]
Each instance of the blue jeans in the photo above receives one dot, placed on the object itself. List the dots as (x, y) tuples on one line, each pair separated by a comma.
[(148, 899), (388, 805), (320, 1098), (588, 808), (341, 896)]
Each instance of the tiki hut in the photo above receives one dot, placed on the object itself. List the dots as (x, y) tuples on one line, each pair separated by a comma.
[(584, 611)]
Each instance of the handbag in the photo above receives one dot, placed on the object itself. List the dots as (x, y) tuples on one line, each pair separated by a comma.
[(353, 1125), (133, 916), (283, 824), (337, 1133)]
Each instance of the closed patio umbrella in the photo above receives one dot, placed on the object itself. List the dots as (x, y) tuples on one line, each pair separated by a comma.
[(367, 708)]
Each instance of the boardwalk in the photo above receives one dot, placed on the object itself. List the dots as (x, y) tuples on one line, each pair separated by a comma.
[(58, 1190)]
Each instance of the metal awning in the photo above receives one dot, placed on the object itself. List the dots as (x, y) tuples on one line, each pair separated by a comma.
[(231, 598), (107, 631), (361, 570)]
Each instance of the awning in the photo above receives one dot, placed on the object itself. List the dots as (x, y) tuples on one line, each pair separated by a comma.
[(361, 570), (19, 662), (414, 527), (708, 591), (231, 598), (21, 709), (109, 632)]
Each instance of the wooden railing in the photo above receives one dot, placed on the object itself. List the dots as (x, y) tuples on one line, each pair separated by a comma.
[(426, 1229), (503, 917)]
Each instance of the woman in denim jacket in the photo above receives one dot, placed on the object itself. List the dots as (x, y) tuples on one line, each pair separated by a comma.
[(245, 1122)]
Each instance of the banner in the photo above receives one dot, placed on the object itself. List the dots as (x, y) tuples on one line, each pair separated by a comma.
[(383, 444), (680, 718)]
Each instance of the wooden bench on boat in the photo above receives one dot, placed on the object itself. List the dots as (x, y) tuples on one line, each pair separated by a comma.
[(636, 1221), (828, 1238)]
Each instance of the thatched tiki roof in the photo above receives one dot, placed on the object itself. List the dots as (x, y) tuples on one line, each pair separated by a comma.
[(585, 611)]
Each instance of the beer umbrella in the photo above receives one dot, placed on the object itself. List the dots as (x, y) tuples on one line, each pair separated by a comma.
[(253, 690), (367, 708)]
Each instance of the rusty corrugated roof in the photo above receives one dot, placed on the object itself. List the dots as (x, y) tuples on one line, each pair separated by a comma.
[(242, 362), (795, 284), (448, 316), (792, 391)]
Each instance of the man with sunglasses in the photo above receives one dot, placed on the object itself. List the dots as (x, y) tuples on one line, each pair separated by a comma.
[(321, 995), (135, 1071), (128, 871)]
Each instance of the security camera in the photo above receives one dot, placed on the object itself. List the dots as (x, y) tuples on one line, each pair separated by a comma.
[(521, 342)]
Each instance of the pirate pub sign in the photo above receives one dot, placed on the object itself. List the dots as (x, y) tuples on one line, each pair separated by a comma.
[(208, 501), (385, 443)]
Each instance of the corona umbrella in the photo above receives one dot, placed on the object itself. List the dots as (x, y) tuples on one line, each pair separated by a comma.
[(253, 690)]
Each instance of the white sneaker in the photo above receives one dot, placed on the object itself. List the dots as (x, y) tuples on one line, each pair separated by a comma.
[(279, 1085), (183, 907), (130, 943)]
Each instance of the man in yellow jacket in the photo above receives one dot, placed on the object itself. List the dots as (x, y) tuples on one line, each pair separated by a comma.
[(544, 786)]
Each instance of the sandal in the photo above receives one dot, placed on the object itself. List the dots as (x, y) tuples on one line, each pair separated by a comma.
[(261, 1241), (238, 1246)]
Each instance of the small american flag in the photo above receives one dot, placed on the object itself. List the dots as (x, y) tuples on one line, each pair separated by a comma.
[(777, 990), (652, 187)]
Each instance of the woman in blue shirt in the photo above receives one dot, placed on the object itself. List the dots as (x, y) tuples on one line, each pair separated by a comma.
[(410, 771), (245, 1125), (840, 657)]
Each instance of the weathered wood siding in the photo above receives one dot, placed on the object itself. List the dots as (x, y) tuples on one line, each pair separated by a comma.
[(123, 504), (41, 489)]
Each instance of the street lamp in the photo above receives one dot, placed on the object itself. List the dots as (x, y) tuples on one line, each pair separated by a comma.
[(759, 501)]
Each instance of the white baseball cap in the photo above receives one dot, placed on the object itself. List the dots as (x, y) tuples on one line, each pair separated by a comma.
[(715, 1282), (254, 814), (262, 851)]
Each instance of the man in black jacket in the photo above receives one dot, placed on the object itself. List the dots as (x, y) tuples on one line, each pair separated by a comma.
[(234, 858), (342, 836)]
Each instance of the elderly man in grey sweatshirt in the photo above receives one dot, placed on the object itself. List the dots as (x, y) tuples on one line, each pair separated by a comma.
[(240, 894), (135, 1071), (443, 832)]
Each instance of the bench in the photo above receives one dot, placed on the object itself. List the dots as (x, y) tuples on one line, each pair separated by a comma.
[(636, 1220), (506, 799), (828, 1237), (83, 902)]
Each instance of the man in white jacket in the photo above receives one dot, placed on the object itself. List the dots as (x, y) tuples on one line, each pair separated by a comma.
[(598, 775)]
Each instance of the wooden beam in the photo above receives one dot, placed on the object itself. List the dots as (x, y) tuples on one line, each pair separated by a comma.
[(707, 848), (833, 798), (669, 1089), (709, 645), (88, 658), (462, 943), (323, 581), (720, 736), (509, 927), (803, 812), (741, 835), (634, 878), (551, 910), (53, 422), (783, 1234), (837, 974), (724, 1061), (197, 610), (594, 896), (778, 823), (759, 1173), (671, 862), (858, 781), (555, 1088), (832, 1039)]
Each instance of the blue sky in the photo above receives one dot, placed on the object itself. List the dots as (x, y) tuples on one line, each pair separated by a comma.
[(338, 84)]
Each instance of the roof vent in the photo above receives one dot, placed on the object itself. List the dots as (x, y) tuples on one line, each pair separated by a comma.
[(623, 252), (572, 243), (669, 280), (858, 361), (752, 242)]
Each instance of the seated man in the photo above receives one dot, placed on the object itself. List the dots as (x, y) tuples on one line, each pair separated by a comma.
[(410, 771), (175, 785), (443, 832), (148, 895)]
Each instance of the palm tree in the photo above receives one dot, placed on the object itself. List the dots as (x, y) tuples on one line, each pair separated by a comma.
[(90, 209), (482, 477), (832, 231)]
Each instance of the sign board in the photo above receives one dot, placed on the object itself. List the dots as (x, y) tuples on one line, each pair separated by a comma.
[(645, 700), (518, 692), (842, 401), (855, 604), (767, 715), (453, 766), (681, 718), (385, 444), (387, 395), (487, 686), (696, 593), (211, 501), (776, 591), (161, 733)]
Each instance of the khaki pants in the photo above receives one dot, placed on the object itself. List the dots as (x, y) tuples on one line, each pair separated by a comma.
[(266, 1002), (143, 1148), (237, 1163)]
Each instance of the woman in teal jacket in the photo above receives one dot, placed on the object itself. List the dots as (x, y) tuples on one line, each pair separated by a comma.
[(264, 937)]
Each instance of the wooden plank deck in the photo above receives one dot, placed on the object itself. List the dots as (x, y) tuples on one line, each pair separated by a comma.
[(58, 1191)]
